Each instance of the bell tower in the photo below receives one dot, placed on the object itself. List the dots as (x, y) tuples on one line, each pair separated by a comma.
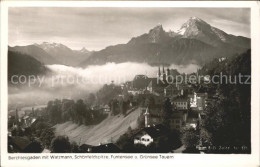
[(164, 75), (146, 118), (159, 73)]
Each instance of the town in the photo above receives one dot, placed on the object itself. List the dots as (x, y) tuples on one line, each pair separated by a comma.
[(171, 119)]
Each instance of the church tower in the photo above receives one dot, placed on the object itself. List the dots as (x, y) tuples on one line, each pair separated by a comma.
[(159, 73), (168, 77), (146, 118), (164, 75)]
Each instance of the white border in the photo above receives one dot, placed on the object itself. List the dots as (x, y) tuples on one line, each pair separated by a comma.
[(179, 159)]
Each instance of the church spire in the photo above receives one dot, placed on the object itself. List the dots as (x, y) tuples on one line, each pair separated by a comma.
[(146, 117), (159, 72), (163, 70), (164, 75)]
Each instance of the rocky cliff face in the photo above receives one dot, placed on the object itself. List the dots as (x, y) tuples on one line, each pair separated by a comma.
[(195, 42)]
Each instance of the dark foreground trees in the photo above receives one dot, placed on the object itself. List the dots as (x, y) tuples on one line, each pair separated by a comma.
[(60, 144)]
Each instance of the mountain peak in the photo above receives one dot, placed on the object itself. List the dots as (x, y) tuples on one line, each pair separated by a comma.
[(194, 24), (48, 46), (157, 34), (157, 28), (54, 44), (84, 50), (199, 29), (196, 18)]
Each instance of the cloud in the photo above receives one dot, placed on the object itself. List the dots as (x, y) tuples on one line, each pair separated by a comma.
[(71, 82), (119, 73)]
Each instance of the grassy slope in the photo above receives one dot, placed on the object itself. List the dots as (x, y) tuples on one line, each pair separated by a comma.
[(108, 130)]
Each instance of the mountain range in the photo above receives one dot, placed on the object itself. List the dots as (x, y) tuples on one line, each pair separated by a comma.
[(195, 42), (53, 53)]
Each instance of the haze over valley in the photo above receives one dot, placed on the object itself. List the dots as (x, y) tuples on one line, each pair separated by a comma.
[(188, 49)]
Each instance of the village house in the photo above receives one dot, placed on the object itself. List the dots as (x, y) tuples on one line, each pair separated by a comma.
[(106, 109), (156, 86), (178, 120), (181, 103), (102, 108), (154, 117), (147, 135), (144, 137), (192, 119), (197, 101), (171, 91), (140, 82)]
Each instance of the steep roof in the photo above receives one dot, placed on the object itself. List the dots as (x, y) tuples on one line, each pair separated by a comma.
[(154, 131), (174, 72), (140, 81), (180, 99)]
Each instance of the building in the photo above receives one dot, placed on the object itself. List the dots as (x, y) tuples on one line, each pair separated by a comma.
[(172, 75), (184, 89), (153, 116), (178, 120), (156, 86), (192, 119), (140, 82), (106, 109), (171, 91), (148, 135), (181, 103), (144, 137), (146, 118), (168, 76), (198, 101)]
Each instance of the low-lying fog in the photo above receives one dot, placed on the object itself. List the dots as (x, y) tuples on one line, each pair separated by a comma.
[(70, 82)]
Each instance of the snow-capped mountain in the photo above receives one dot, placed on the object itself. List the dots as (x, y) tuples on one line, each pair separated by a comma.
[(197, 28), (64, 54), (55, 49), (195, 42)]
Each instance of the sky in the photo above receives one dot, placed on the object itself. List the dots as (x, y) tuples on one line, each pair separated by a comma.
[(97, 28)]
